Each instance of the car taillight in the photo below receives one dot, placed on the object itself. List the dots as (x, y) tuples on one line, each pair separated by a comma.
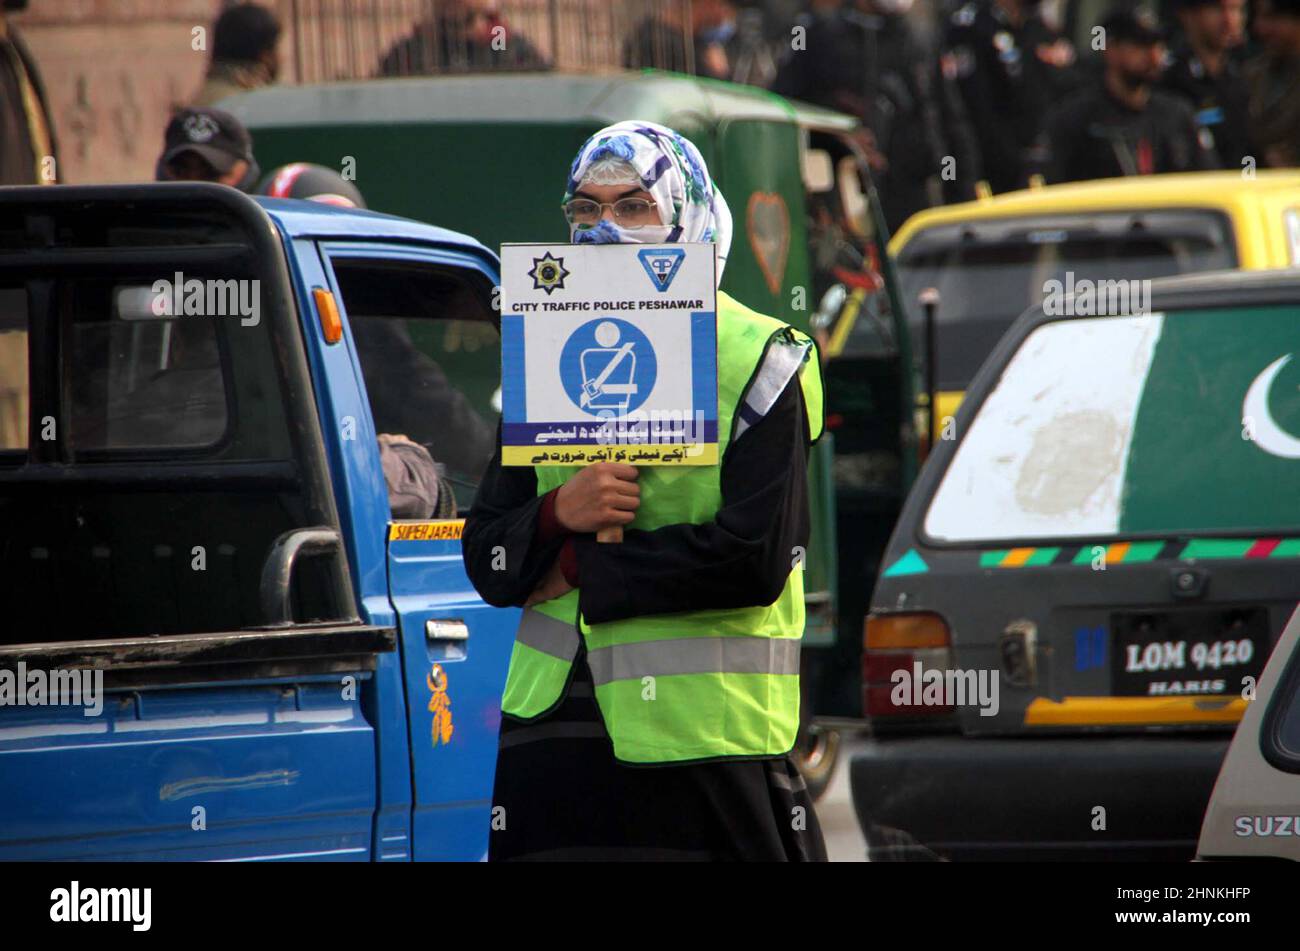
[(894, 642)]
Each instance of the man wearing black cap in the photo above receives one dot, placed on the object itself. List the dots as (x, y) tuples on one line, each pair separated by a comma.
[(1205, 73), (1123, 125), (207, 145)]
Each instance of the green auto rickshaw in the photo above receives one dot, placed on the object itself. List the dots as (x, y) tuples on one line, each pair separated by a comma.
[(485, 154)]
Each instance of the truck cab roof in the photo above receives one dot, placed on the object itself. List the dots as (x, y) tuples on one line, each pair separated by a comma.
[(309, 219), (296, 218)]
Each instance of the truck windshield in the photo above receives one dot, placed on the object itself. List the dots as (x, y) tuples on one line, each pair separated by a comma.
[(1174, 423), (988, 273)]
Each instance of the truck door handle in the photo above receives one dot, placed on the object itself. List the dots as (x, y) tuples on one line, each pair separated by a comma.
[(445, 629)]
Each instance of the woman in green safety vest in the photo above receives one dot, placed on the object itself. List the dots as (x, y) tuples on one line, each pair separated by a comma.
[(653, 692)]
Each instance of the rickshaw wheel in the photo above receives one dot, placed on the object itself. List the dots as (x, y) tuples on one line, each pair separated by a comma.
[(816, 751)]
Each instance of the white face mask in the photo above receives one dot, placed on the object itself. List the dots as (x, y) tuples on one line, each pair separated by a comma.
[(606, 232)]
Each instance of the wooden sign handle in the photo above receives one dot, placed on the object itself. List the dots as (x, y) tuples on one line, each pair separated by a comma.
[(612, 535)]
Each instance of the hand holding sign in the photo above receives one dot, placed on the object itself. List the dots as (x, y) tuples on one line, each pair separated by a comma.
[(600, 496)]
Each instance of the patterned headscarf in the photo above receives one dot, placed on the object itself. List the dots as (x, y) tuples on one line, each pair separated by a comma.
[(672, 170)]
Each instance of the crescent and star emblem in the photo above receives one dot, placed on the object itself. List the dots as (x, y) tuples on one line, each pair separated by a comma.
[(1268, 435)]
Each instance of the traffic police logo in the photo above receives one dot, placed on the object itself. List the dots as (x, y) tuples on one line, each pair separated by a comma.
[(662, 264), (548, 273)]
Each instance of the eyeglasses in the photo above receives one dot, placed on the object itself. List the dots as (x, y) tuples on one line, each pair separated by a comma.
[(629, 213)]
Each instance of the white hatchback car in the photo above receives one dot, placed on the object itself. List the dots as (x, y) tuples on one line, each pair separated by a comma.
[(1254, 811)]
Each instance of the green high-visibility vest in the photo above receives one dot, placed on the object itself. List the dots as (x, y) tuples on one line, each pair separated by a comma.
[(694, 684)]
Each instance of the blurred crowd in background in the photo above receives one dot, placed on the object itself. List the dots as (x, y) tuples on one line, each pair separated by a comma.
[(955, 96)]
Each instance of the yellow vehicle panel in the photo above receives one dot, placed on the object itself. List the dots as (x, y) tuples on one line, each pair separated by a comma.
[(1263, 212), (1256, 207)]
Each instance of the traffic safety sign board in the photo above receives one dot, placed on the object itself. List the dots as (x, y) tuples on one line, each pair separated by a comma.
[(609, 353)]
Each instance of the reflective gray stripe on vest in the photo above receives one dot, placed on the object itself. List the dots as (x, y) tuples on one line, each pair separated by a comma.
[(694, 655), (781, 362), (540, 632)]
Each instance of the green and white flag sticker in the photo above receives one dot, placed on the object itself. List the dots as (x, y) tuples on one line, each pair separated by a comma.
[(1186, 421)]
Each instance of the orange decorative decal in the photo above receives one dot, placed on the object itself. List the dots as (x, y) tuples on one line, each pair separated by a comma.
[(767, 221), (439, 704)]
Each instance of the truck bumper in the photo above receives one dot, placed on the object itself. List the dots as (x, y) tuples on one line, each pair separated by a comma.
[(1055, 798)]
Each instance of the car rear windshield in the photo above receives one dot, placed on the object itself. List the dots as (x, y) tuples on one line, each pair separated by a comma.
[(988, 273), (1174, 423)]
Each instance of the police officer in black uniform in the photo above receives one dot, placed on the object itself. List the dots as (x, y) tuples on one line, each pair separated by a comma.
[(1205, 72), (1009, 66), (1122, 124), (864, 59)]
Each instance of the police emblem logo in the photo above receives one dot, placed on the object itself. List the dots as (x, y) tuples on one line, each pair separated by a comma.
[(661, 265), (548, 273), (200, 128)]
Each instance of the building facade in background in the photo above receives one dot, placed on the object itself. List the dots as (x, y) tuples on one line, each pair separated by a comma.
[(114, 70)]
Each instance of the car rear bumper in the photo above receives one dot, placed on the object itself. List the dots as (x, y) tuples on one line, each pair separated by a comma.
[(1087, 797)]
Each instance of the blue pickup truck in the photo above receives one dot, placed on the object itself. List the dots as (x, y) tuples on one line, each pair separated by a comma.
[(195, 529)]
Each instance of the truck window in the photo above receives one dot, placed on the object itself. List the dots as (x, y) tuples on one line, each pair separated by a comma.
[(431, 358), (1173, 423), (143, 381), (172, 449)]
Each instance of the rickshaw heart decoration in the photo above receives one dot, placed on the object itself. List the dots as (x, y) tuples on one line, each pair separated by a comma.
[(767, 221)]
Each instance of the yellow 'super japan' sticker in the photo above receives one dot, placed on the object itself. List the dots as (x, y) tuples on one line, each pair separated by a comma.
[(443, 529)]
